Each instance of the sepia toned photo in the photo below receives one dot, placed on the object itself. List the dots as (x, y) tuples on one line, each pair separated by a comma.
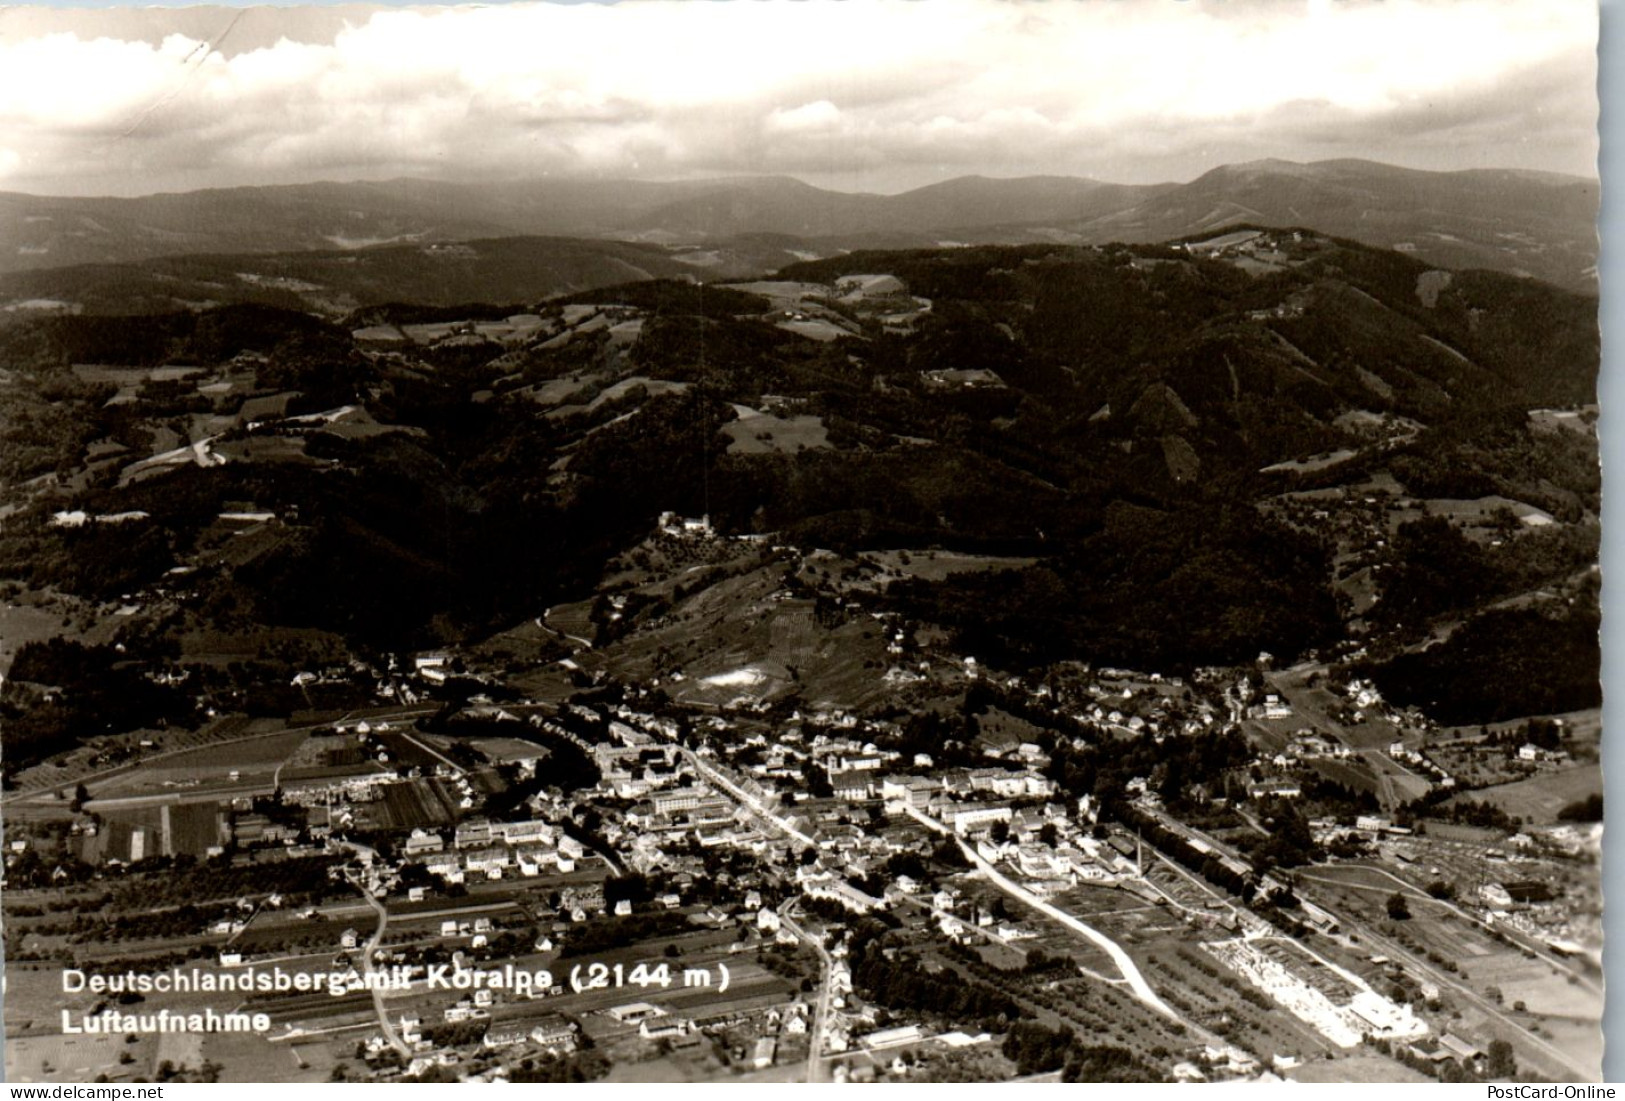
[(869, 542)]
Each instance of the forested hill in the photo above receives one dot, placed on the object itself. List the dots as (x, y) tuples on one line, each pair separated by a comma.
[(1192, 452)]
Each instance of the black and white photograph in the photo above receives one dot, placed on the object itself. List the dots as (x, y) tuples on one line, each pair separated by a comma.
[(895, 541)]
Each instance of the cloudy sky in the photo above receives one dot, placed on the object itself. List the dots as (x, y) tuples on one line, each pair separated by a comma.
[(874, 95)]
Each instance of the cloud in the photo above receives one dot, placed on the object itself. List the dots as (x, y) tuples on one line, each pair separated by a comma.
[(890, 90), (822, 115)]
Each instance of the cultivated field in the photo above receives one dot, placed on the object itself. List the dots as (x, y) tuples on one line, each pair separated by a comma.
[(411, 805), (193, 828)]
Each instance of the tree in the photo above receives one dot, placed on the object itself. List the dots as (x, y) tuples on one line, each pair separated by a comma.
[(1452, 1071), (1000, 832), (818, 785), (1501, 1062), (1398, 908)]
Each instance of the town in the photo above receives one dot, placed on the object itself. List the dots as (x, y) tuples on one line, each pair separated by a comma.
[(570, 853)]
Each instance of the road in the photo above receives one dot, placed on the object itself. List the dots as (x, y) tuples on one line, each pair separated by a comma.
[(815, 1066), (433, 752), (716, 778), (1136, 981), (368, 968), (546, 626), (815, 1035)]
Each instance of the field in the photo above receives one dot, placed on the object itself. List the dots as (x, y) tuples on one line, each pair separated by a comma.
[(1165, 944), (1351, 774), (1539, 798), (63, 1058), (935, 565), (1481, 509), (1206, 992), (21, 624), (1217, 999), (815, 328), (999, 727), (508, 750), (251, 739), (207, 767), (258, 753), (1583, 1037), (783, 293), (756, 433), (127, 835), (1311, 705), (1356, 1068), (34, 1001), (663, 1068), (410, 805), (555, 391), (193, 828), (255, 1059), (653, 386), (1311, 464), (216, 646)]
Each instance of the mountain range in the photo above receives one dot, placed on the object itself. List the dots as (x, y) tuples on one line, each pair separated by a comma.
[(1524, 223)]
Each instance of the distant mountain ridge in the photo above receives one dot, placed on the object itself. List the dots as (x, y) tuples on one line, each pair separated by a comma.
[(1528, 223)]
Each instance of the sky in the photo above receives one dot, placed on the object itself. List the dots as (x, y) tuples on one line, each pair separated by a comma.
[(870, 95)]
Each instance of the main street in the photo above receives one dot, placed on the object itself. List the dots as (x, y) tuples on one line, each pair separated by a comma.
[(718, 779)]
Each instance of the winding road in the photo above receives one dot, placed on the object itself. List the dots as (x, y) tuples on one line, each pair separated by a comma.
[(368, 969)]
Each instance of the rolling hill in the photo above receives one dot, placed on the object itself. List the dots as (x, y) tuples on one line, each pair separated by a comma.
[(1186, 453), (1521, 222)]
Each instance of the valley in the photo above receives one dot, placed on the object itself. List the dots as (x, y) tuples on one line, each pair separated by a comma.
[(1147, 661)]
